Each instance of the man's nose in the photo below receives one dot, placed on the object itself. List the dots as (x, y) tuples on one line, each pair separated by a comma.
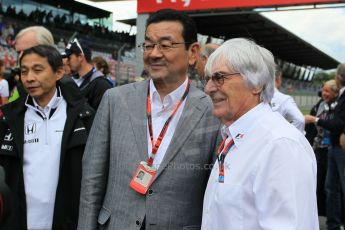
[(30, 77), (156, 51), (210, 87)]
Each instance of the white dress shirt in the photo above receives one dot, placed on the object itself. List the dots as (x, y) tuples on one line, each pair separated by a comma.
[(270, 178), (286, 106), (160, 111)]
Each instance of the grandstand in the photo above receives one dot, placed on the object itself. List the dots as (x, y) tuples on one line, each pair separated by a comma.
[(64, 24)]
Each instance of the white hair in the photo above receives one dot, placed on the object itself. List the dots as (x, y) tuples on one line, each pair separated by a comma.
[(253, 62), (43, 35)]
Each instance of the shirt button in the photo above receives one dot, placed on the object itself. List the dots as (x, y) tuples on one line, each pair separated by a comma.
[(137, 222), (150, 192)]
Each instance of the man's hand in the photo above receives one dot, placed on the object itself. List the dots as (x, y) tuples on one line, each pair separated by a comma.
[(309, 119), (342, 141)]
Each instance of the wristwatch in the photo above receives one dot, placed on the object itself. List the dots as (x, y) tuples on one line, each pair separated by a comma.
[(316, 120)]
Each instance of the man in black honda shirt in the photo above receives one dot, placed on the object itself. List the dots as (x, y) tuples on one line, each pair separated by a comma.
[(42, 140), (91, 82)]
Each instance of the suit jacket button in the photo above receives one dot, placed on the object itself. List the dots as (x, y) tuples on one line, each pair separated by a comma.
[(150, 191), (137, 222)]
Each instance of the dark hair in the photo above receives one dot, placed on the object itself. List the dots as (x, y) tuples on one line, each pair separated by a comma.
[(101, 63), (46, 51), (189, 31), (86, 51)]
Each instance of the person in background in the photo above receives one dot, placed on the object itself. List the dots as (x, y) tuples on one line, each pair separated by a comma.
[(265, 173), (33, 36), (42, 139), (4, 89), (335, 179), (285, 104), (205, 52), (61, 45), (101, 65), (91, 82), (322, 141), (310, 128)]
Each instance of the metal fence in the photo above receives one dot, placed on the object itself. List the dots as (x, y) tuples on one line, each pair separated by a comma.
[(305, 102)]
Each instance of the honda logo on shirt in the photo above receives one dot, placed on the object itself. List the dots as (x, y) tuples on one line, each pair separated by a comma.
[(30, 129)]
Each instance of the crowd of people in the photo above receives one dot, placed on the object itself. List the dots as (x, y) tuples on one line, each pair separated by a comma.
[(42, 17), (77, 153)]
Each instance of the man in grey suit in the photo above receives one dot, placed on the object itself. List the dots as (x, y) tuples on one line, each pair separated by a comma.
[(164, 112)]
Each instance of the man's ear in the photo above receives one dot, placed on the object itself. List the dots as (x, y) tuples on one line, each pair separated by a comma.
[(193, 53), (59, 73), (257, 90)]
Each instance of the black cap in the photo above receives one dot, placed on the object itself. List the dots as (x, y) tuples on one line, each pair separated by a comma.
[(74, 47)]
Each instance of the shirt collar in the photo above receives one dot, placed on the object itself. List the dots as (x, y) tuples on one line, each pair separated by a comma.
[(172, 98), (53, 103), (243, 126)]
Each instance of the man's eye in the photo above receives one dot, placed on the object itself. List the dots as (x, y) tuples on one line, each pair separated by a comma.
[(166, 46), (218, 76), (37, 70), (150, 46)]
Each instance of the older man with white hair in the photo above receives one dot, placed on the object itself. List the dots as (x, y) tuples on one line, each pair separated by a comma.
[(265, 174)]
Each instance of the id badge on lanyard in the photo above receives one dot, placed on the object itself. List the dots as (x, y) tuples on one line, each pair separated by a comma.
[(222, 153), (143, 178), (144, 175)]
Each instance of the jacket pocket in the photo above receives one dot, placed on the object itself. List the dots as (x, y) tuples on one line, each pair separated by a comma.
[(78, 136), (104, 216)]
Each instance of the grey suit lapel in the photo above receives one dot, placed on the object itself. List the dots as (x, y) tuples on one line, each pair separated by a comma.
[(136, 102), (192, 113)]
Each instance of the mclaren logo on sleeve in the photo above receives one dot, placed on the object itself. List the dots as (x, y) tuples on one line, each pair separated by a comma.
[(30, 129)]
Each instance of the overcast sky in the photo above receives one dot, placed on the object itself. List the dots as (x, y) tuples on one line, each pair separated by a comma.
[(323, 28)]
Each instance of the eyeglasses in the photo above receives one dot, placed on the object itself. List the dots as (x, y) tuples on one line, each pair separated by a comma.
[(78, 44), (218, 77), (163, 46)]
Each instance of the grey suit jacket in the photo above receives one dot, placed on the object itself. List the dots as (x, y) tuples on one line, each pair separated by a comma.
[(118, 142)]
